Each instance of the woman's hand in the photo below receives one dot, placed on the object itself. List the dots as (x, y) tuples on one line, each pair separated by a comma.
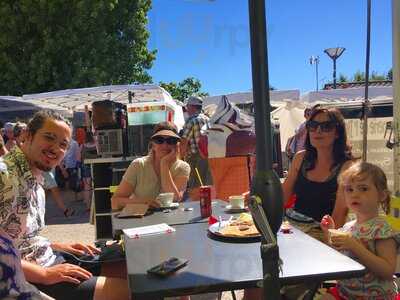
[(65, 273), (170, 158), (154, 203), (77, 248), (327, 222)]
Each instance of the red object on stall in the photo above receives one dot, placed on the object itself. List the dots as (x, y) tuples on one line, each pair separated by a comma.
[(212, 220), (206, 194)]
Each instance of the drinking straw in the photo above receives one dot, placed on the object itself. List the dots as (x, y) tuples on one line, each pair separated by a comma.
[(198, 176)]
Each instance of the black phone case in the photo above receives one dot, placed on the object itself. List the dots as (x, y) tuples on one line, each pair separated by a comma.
[(168, 267)]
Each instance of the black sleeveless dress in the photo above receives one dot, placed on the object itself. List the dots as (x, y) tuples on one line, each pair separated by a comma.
[(315, 199)]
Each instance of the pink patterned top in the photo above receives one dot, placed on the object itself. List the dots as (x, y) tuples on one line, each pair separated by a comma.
[(369, 286)]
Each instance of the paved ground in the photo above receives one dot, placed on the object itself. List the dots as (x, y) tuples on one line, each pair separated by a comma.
[(77, 229)]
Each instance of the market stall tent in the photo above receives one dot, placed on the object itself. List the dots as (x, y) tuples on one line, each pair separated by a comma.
[(12, 108)]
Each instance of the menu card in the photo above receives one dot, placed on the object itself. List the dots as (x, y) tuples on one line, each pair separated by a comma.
[(148, 230)]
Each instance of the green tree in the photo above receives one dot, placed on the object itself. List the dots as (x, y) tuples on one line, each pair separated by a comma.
[(182, 90), (359, 76), (376, 77), (389, 75), (343, 78), (54, 44)]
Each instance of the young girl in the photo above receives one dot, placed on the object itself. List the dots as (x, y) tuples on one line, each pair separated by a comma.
[(371, 240)]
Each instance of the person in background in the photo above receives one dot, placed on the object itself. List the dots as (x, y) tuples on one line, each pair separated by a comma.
[(3, 149), (50, 184), (370, 239), (88, 150), (297, 142), (9, 133), (189, 144), (161, 171), (71, 164), (23, 207), (19, 133)]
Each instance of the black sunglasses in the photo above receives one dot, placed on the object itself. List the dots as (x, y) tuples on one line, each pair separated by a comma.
[(169, 140), (326, 126)]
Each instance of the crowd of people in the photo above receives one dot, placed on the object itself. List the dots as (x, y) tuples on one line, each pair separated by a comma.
[(326, 178)]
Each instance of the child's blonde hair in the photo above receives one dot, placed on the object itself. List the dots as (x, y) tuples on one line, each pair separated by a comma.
[(362, 170)]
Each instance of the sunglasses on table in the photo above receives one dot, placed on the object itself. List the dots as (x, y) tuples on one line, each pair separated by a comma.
[(326, 126), (161, 140)]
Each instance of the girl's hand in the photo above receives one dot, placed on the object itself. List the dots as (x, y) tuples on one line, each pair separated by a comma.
[(327, 222), (345, 242)]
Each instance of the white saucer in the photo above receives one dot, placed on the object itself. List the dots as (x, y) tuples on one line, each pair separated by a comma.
[(235, 208), (173, 205)]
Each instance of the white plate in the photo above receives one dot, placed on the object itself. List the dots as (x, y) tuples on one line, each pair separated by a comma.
[(235, 209), (216, 227), (173, 205)]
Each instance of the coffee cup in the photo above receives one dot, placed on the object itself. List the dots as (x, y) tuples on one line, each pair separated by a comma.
[(236, 201), (166, 199)]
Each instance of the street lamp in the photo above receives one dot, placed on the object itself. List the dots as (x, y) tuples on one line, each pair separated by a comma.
[(314, 60), (334, 53)]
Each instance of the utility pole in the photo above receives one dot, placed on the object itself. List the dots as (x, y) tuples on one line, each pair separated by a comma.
[(314, 60)]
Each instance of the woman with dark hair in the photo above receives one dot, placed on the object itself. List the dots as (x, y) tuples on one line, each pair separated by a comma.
[(313, 174), (161, 171)]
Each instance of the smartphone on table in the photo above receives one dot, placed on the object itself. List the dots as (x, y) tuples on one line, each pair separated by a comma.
[(168, 266)]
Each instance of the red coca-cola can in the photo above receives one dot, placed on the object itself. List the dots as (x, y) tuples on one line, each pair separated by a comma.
[(206, 194)]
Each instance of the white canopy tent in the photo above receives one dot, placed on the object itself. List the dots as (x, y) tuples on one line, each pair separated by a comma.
[(290, 116), (77, 99), (247, 97), (349, 94), (12, 107)]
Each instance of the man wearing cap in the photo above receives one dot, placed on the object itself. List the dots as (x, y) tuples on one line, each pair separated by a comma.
[(190, 140)]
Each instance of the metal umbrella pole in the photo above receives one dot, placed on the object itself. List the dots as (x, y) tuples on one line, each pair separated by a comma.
[(366, 103), (396, 93), (266, 185)]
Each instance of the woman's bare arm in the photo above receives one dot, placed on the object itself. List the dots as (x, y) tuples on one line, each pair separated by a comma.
[(288, 184), (122, 195)]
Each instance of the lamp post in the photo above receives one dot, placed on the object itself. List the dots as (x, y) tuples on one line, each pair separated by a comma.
[(314, 60), (334, 53)]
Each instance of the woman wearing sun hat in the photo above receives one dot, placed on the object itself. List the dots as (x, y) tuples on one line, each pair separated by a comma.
[(161, 171)]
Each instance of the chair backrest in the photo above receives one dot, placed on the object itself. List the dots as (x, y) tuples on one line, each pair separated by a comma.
[(231, 175)]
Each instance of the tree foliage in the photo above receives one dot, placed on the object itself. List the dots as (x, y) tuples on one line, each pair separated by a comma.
[(389, 75), (54, 44), (343, 78), (182, 90)]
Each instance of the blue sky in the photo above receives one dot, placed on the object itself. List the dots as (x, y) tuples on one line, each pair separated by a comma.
[(209, 40)]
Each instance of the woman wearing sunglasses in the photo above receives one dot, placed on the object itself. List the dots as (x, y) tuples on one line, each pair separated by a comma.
[(161, 171), (313, 174)]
